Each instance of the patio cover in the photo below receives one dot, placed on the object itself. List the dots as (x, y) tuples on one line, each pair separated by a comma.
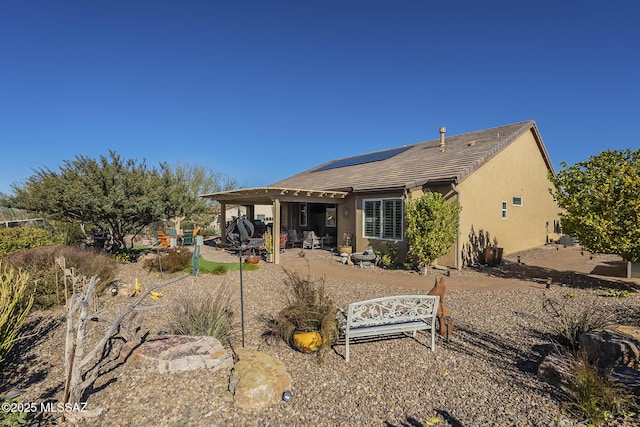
[(272, 196), (267, 195)]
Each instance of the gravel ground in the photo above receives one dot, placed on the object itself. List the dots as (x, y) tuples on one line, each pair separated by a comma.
[(484, 376)]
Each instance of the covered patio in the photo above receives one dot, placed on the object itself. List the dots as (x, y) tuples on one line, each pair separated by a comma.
[(293, 208)]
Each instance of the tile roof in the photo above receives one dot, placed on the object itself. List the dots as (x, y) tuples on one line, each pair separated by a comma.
[(420, 163)]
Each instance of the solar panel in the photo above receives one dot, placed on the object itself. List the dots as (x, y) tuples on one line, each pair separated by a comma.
[(363, 158)]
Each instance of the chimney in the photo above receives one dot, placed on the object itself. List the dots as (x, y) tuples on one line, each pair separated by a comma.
[(442, 144)]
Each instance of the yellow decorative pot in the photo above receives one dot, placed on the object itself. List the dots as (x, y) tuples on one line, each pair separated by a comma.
[(345, 249), (307, 341)]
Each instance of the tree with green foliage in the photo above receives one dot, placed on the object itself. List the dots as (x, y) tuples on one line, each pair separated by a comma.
[(601, 202), (201, 180), (432, 227), (116, 195)]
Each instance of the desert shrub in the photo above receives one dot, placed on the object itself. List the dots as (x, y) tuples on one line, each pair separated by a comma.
[(593, 395), (389, 256), (567, 325), (206, 313), (613, 293), (171, 261), (20, 238), (46, 277), (13, 418), (15, 303), (125, 256)]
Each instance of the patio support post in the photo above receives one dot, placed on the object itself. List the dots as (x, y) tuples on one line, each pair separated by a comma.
[(223, 221), (276, 231)]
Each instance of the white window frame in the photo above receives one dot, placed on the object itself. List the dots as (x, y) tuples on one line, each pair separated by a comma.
[(399, 219), (504, 209), (519, 198)]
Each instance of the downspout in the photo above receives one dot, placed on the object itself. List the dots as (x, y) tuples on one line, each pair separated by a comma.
[(405, 240), (455, 190)]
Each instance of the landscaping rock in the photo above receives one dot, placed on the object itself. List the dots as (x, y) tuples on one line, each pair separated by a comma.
[(258, 380), (615, 350), (616, 345), (178, 353), (555, 371)]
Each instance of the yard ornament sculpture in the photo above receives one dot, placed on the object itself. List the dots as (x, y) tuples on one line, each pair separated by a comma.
[(240, 231)]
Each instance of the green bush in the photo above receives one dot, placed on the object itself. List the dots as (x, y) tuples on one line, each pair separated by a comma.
[(171, 261), (21, 238), (10, 418), (46, 276), (207, 314), (15, 303), (389, 256)]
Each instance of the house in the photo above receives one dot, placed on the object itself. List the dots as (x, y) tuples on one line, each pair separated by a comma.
[(500, 177)]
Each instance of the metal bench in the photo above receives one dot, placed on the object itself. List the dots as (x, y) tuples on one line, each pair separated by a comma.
[(391, 315)]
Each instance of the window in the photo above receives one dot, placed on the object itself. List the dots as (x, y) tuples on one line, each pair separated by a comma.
[(516, 201), (504, 209), (303, 214), (331, 216), (383, 218)]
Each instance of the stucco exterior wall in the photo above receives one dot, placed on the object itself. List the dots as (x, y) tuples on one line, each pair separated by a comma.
[(517, 171)]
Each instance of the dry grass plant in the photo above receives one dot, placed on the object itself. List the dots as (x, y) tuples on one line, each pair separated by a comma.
[(309, 308), (567, 325), (172, 261), (592, 394), (204, 313), (15, 303), (46, 276)]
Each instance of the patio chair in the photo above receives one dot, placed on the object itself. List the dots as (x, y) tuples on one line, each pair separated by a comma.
[(293, 239), (163, 240), (187, 238), (310, 241)]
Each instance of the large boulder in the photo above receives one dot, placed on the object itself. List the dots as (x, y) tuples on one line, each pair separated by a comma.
[(615, 345), (258, 380), (615, 350), (177, 353)]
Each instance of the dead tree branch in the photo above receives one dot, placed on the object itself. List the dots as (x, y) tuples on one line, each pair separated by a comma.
[(77, 378)]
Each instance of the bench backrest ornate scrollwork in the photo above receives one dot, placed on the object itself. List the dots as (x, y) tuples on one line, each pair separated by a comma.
[(388, 310)]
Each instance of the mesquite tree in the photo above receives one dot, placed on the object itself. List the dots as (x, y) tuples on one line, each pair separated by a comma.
[(116, 195), (432, 227), (601, 202)]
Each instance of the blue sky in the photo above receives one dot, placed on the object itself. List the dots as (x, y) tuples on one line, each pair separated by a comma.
[(261, 90)]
